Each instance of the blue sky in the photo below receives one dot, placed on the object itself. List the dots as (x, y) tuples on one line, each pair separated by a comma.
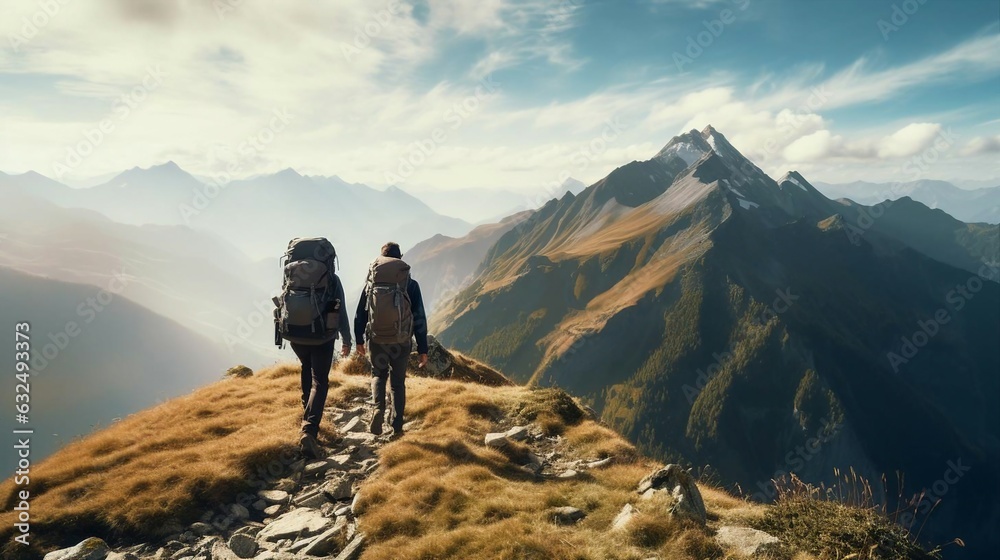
[(499, 93)]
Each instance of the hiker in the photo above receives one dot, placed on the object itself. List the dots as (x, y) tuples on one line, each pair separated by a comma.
[(310, 317), (390, 313)]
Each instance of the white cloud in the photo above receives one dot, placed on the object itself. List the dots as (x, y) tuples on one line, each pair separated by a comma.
[(356, 115), (981, 145)]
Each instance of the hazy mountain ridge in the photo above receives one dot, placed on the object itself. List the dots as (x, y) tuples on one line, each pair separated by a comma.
[(627, 294), (980, 205), (97, 356), (260, 214), (193, 277)]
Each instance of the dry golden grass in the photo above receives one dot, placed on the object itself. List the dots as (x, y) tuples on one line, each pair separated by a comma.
[(440, 493), (463, 369), (164, 468)]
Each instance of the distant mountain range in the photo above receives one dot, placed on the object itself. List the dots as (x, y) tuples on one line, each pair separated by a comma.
[(193, 277), (258, 215), (96, 356), (445, 265), (707, 311), (972, 206)]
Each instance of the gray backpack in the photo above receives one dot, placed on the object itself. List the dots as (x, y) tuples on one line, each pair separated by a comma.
[(308, 311), (390, 318)]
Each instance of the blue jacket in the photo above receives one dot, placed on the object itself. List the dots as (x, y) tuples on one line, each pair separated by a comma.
[(416, 308)]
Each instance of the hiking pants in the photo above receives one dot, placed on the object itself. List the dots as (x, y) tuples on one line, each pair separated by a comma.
[(316, 364), (389, 364)]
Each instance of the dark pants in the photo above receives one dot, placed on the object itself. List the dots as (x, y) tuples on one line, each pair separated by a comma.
[(389, 364), (316, 364)]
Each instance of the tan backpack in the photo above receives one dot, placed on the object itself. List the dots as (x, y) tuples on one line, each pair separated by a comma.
[(390, 318)]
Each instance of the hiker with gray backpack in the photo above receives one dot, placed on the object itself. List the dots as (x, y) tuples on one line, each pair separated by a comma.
[(309, 315), (390, 314)]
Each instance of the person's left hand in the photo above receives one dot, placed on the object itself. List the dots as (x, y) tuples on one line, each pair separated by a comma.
[(423, 361), (345, 351)]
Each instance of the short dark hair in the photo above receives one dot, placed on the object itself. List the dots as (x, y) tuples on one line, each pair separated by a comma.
[(391, 249)]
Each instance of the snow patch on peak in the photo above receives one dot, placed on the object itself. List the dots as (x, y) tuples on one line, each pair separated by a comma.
[(791, 179), (684, 150)]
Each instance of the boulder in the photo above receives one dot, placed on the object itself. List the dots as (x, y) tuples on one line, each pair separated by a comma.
[(680, 484), (566, 515), (746, 541), (298, 522), (89, 549)]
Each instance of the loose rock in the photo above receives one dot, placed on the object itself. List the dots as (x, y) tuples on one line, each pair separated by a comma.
[(680, 484), (303, 521), (567, 515), (89, 549)]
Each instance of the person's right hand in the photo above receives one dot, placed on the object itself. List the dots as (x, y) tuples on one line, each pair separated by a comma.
[(361, 349)]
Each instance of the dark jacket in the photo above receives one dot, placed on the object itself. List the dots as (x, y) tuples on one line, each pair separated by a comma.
[(344, 324), (416, 308)]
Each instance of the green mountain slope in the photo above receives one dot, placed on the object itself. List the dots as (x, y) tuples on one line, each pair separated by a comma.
[(709, 312)]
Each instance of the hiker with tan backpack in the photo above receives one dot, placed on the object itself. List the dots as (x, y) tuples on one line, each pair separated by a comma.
[(389, 315)]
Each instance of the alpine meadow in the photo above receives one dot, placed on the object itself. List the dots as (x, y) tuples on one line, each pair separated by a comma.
[(514, 279)]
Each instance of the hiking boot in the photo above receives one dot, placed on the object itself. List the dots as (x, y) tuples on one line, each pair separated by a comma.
[(375, 425), (310, 447)]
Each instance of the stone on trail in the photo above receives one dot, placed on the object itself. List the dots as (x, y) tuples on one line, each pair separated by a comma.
[(273, 496), (243, 545), (353, 549), (298, 522), (89, 549)]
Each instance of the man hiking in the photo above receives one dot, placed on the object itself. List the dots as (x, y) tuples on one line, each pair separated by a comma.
[(310, 316), (390, 313)]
